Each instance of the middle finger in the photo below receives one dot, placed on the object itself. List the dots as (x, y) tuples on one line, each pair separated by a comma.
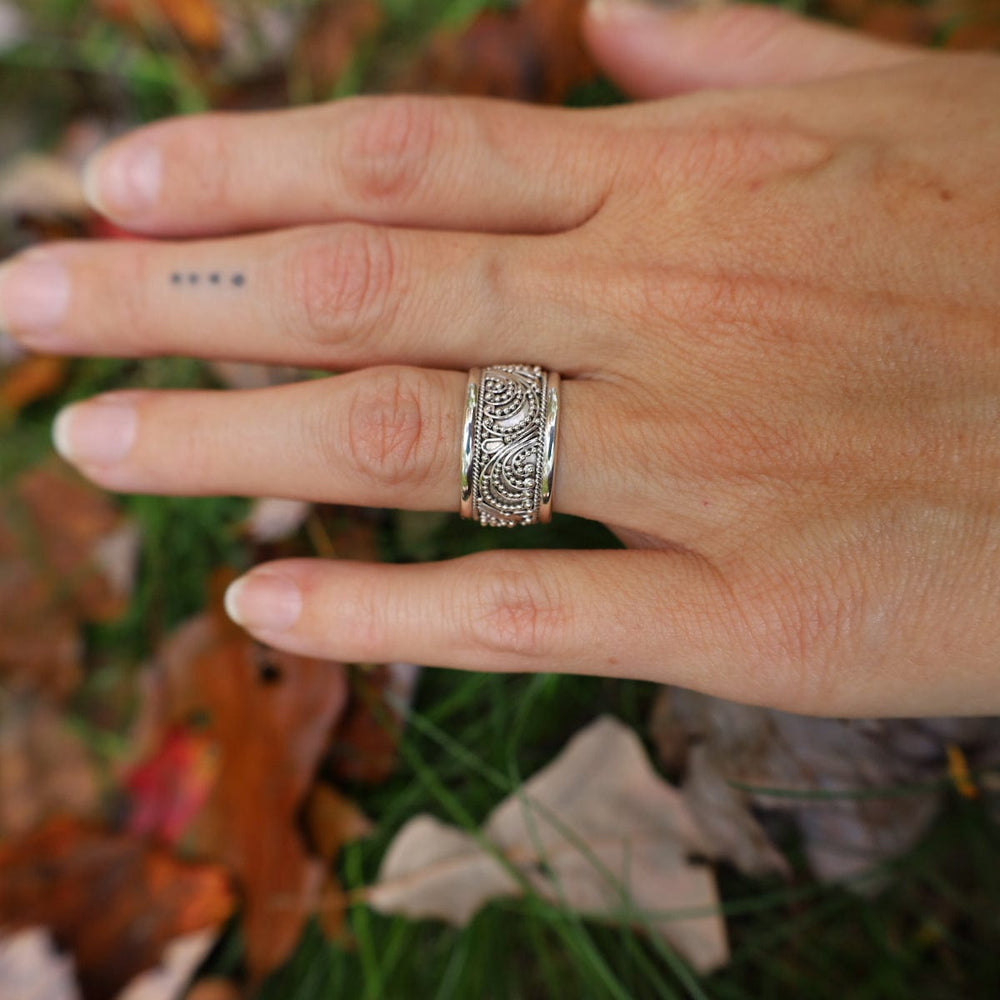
[(338, 296)]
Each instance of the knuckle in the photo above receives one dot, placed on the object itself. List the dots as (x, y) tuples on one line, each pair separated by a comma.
[(385, 152), (737, 145), (514, 610), (799, 638), (342, 284), (390, 438)]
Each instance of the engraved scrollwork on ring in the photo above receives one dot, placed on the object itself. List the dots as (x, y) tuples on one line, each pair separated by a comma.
[(508, 445)]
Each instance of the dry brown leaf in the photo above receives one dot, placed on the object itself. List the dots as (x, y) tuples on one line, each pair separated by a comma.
[(531, 53), (333, 820), (814, 768), (364, 747), (61, 564), (330, 39), (269, 715), (45, 769), (113, 901), (597, 829), (32, 969), (169, 980), (214, 988)]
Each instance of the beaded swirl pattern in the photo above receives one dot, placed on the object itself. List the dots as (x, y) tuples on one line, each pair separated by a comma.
[(508, 441)]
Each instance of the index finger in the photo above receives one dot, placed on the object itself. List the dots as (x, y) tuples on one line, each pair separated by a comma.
[(431, 162)]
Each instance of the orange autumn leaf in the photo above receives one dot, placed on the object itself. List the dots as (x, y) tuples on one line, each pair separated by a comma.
[(113, 901), (268, 716), (29, 380), (196, 21)]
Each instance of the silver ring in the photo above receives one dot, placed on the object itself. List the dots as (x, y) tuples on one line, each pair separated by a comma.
[(509, 440)]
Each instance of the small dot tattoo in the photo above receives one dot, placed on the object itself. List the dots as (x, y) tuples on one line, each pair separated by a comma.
[(238, 280)]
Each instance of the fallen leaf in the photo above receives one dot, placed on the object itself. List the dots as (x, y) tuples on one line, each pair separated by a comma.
[(532, 52), (66, 557), (826, 772), (169, 980), (364, 747), (330, 39), (29, 380), (214, 988), (114, 902), (268, 715), (251, 375), (32, 969), (196, 21), (169, 788), (45, 769), (333, 820), (597, 829), (39, 185), (274, 519)]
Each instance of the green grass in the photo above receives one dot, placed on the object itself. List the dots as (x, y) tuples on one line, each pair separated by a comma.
[(933, 933)]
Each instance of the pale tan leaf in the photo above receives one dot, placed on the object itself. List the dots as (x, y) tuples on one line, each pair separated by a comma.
[(597, 829), (32, 969), (169, 980), (272, 519), (35, 184)]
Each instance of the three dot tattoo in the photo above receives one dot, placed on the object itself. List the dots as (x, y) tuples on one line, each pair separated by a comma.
[(237, 280)]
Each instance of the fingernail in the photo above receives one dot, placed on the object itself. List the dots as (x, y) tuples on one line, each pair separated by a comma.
[(124, 180), (263, 602), (97, 432), (34, 295)]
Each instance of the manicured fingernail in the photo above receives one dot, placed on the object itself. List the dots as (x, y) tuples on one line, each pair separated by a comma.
[(97, 432), (264, 602), (34, 296), (124, 180)]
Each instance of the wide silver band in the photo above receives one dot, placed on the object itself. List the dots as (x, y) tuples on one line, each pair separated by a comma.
[(509, 439)]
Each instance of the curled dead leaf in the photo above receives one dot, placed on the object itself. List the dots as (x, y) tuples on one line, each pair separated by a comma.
[(268, 716), (114, 902), (597, 830)]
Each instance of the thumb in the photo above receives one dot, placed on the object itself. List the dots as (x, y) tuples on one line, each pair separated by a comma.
[(658, 50)]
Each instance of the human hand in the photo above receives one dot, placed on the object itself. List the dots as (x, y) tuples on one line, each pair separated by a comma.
[(774, 308)]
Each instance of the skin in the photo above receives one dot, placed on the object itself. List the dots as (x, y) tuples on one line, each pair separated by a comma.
[(773, 297)]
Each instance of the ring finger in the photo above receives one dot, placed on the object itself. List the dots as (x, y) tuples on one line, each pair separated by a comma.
[(386, 437)]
